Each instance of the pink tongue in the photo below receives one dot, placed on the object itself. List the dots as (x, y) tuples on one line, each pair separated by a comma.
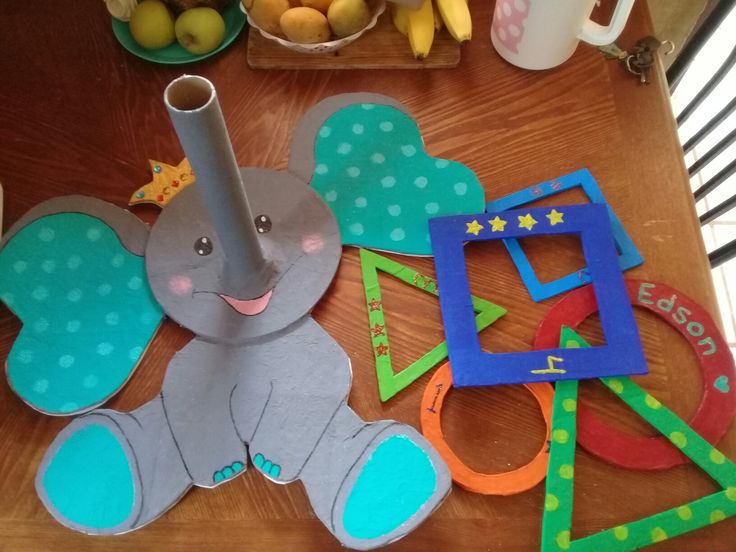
[(249, 307)]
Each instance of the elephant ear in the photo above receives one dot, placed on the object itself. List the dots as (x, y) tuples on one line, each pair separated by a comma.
[(364, 154), (72, 270)]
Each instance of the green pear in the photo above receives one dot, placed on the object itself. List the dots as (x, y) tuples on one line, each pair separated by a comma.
[(200, 30), (152, 25)]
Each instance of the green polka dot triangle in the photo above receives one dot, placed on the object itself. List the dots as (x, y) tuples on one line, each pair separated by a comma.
[(371, 168), (557, 521), (86, 309)]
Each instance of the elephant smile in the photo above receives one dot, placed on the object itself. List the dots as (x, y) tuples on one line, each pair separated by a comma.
[(248, 307)]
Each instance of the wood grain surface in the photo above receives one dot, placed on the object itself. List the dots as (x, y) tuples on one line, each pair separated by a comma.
[(380, 48), (78, 114)]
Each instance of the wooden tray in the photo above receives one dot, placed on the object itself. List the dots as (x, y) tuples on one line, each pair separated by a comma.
[(383, 47)]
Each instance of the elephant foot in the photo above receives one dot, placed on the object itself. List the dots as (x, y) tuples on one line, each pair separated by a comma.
[(109, 472), (376, 484)]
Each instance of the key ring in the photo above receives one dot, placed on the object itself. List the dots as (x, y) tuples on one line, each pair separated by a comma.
[(629, 68)]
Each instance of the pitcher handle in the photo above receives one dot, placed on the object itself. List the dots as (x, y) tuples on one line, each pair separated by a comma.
[(598, 35)]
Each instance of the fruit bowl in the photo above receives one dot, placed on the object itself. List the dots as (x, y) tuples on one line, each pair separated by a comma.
[(175, 54), (377, 7)]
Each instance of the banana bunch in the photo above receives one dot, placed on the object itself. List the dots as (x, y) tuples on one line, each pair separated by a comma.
[(420, 25)]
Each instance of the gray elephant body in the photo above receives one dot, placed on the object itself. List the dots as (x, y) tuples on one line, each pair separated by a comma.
[(260, 390), (260, 379)]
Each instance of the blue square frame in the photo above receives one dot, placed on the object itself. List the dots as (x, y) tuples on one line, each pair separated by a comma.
[(471, 366), (628, 257)]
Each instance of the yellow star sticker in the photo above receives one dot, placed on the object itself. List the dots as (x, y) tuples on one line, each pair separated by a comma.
[(499, 225), (473, 227), (527, 221), (168, 180), (555, 217)]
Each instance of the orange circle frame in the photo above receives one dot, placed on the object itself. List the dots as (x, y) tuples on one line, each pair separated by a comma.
[(508, 483)]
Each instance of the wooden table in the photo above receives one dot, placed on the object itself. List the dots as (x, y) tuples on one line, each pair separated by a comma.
[(80, 115)]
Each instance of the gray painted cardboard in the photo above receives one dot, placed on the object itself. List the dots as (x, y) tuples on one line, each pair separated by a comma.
[(300, 221), (160, 477), (271, 384), (197, 118), (283, 398), (274, 390)]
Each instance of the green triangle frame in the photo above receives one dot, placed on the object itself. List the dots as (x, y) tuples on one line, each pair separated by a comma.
[(390, 383), (557, 520)]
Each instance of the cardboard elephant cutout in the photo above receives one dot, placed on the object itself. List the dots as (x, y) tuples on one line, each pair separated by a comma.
[(260, 380)]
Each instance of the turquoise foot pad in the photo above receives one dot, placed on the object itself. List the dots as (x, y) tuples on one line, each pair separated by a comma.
[(371, 168), (89, 481), (266, 466), (227, 472), (396, 481), (86, 308)]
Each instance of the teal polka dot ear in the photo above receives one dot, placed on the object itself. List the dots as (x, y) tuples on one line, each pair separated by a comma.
[(371, 168), (82, 334)]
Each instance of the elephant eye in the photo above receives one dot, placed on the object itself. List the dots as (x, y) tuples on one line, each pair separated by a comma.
[(203, 246), (263, 224)]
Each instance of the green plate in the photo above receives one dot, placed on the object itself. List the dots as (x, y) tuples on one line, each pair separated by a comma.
[(175, 54)]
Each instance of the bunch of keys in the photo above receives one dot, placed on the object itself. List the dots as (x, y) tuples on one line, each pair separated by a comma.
[(640, 60)]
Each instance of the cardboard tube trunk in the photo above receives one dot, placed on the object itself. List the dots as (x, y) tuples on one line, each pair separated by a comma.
[(198, 121)]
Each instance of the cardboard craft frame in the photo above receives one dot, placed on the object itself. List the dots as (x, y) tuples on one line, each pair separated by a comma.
[(717, 407), (558, 504), (628, 254), (513, 482), (622, 354), (389, 382)]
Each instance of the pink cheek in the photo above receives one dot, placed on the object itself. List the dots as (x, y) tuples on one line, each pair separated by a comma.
[(313, 243), (180, 285)]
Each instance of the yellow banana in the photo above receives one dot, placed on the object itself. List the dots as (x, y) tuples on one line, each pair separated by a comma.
[(400, 16), (456, 15), (438, 23), (421, 29)]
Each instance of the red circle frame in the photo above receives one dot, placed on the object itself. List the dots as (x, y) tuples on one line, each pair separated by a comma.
[(717, 407)]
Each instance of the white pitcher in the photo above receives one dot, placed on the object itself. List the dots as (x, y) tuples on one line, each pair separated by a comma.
[(540, 34)]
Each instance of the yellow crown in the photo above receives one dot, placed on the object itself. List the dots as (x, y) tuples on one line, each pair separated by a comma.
[(168, 180)]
